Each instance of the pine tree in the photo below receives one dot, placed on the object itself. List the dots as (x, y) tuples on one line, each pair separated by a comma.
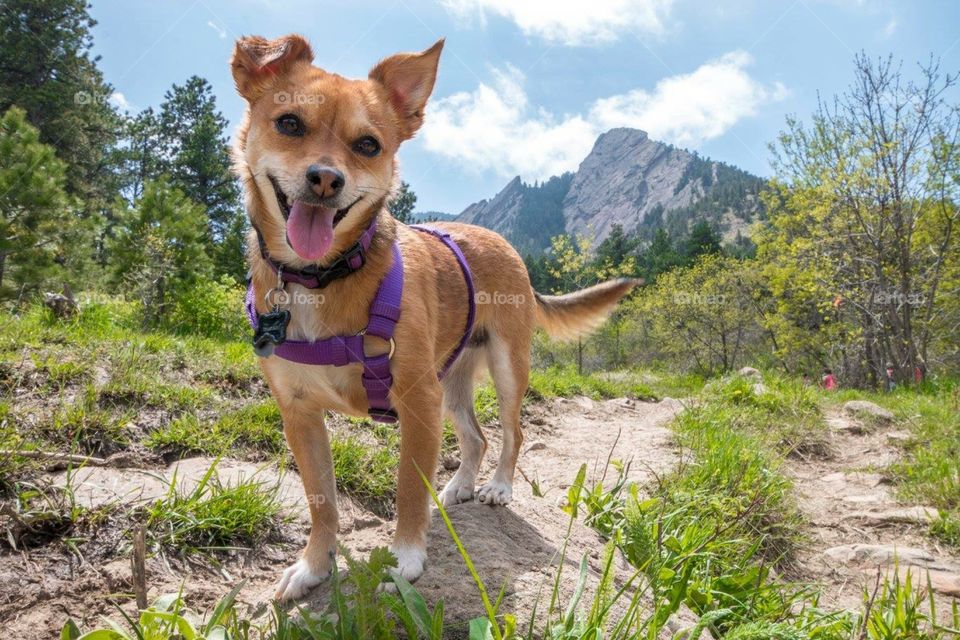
[(401, 206), (158, 248), (195, 154), (35, 213), (47, 70)]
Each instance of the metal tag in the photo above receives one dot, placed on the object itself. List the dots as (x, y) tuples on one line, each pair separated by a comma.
[(271, 332)]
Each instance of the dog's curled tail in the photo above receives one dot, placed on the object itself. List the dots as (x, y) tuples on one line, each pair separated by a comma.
[(574, 314)]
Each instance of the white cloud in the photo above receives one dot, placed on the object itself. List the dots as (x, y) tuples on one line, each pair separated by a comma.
[(688, 109), (120, 101), (494, 128), (571, 21)]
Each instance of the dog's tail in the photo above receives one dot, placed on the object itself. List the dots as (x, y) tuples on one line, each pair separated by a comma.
[(574, 314)]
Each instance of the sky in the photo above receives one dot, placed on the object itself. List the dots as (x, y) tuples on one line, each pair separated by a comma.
[(526, 86)]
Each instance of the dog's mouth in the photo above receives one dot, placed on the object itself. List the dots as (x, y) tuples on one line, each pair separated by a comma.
[(309, 226)]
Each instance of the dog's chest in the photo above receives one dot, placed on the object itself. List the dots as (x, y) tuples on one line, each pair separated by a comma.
[(337, 388)]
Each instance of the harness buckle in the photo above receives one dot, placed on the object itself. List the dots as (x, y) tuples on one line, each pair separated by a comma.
[(393, 344)]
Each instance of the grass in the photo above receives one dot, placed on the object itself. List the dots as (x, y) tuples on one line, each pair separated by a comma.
[(254, 427), (213, 515)]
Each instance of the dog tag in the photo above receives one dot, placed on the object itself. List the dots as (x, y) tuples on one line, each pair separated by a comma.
[(271, 331)]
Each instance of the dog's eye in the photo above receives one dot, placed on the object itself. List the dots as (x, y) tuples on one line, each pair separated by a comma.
[(290, 125), (367, 146)]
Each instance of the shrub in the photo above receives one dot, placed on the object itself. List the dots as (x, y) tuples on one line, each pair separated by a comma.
[(211, 308)]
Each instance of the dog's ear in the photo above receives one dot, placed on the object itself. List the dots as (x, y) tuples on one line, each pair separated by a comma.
[(257, 61), (409, 78)]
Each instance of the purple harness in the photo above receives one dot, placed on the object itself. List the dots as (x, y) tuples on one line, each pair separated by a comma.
[(339, 351)]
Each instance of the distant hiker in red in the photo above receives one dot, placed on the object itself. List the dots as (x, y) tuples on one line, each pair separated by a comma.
[(828, 382)]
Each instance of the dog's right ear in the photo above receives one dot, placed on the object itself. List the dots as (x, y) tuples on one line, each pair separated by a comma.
[(257, 61)]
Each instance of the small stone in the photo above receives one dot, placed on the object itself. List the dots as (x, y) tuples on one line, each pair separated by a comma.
[(366, 522), (451, 463), (899, 437), (759, 389), (536, 446), (902, 515), (865, 409), (749, 372)]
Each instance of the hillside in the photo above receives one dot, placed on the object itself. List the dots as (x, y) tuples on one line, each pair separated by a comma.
[(627, 180)]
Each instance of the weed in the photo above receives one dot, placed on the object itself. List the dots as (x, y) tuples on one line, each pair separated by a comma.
[(213, 515)]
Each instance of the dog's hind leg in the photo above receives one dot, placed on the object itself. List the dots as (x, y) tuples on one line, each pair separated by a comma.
[(458, 405), (509, 362)]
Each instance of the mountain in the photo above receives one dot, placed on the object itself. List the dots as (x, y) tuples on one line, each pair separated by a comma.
[(627, 180)]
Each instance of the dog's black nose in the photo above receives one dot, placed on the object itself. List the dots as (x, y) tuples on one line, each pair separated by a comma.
[(326, 182)]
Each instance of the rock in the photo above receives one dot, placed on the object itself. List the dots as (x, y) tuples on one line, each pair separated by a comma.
[(63, 304), (943, 582), (536, 446), (759, 388), (869, 556), (866, 410), (899, 437), (749, 372), (451, 463), (899, 515)]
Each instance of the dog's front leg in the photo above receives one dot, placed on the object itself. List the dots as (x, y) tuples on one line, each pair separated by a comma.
[(419, 409), (306, 434)]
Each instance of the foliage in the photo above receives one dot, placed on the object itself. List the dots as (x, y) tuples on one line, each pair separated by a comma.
[(47, 69), (401, 206), (213, 309), (211, 514), (701, 318), (157, 250), (36, 215), (862, 223)]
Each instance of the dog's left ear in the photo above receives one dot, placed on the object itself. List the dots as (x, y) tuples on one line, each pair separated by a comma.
[(408, 79)]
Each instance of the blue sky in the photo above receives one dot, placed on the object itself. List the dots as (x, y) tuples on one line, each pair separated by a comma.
[(526, 85)]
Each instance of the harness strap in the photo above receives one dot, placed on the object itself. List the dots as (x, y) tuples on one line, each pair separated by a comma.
[(471, 295)]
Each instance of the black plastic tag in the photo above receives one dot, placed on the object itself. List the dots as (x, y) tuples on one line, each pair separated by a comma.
[(271, 332)]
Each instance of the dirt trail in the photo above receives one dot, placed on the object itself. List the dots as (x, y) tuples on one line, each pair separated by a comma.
[(857, 525), (517, 546)]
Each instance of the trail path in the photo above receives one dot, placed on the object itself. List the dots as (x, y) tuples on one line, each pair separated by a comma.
[(857, 527), (518, 546)]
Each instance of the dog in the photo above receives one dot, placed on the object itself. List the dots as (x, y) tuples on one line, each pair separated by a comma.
[(316, 154)]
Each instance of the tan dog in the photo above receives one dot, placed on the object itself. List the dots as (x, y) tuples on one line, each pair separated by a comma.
[(330, 144)]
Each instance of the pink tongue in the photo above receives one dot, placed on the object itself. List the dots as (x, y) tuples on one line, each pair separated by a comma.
[(310, 230)]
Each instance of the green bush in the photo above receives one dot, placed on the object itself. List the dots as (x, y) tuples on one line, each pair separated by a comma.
[(213, 309)]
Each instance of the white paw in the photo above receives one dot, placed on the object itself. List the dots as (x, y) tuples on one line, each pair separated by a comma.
[(410, 561), (455, 493), (297, 580), (495, 492)]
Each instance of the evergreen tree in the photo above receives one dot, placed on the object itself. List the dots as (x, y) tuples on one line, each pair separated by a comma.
[(158, 249), (46, 69), (401, 206), (35, 212), (196, 154), (703, 240)]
